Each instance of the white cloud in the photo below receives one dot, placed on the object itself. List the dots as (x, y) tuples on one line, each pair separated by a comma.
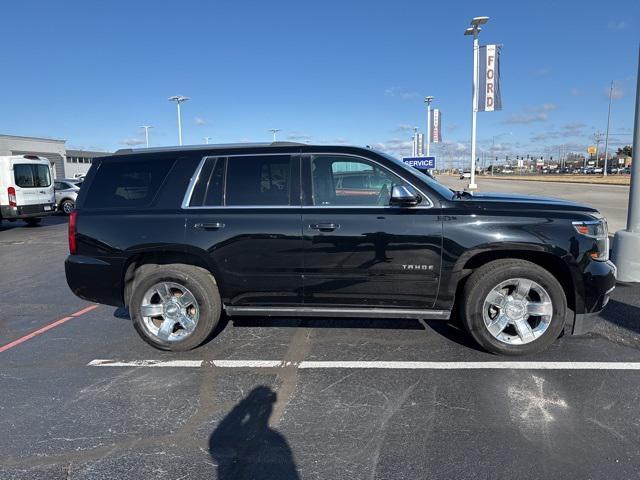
[(299, 137), (575, 92), (542, 71), (132, 142), (405, 127), (532, 114), (617, 24), (400, 93), (617, 93), (200, 121)]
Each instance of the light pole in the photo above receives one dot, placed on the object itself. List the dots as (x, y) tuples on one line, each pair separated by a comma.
[(428, 101), (179, 99), (274, 131), (626, 243), (474, 30), (146, 133), (606, 138), (206, 140)]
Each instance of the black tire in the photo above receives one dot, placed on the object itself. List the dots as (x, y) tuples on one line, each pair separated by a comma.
[(32, 222), (70, 204), (490, 275), (198, 281)]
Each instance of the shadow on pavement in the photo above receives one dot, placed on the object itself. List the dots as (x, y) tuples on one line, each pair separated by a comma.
[(21, 224), (623, 315), (244, 446)]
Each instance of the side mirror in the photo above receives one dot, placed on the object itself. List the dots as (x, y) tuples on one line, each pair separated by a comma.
[(401, 196)]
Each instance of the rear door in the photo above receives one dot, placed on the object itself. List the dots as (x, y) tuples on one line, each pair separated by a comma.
[(244, 210), (33, 183)]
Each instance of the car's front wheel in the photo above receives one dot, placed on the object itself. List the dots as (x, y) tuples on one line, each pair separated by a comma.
[(67, 206), (513, 307), (174, 307)]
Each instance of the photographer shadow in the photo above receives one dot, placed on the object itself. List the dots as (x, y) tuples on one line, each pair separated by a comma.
[(244, 446)]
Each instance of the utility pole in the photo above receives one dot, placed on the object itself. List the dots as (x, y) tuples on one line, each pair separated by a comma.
[(626, 243), (606, 138), (274, 131), (597, 138), (206, 140)]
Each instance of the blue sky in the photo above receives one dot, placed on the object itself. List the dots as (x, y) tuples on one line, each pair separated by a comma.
[(324, 71)]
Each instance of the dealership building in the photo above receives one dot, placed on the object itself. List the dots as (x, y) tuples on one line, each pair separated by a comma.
[(66, 163)]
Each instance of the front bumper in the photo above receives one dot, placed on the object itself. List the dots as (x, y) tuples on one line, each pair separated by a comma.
[(27, 211), (599, 281)]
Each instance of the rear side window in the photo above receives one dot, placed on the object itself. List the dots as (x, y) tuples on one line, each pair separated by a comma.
[(261, 180), (127, 184), (30, 175)]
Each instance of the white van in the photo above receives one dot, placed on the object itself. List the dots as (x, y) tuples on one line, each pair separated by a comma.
[(26, 188)]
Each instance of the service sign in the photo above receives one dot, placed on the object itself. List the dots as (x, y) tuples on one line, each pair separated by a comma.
[(421, 163)]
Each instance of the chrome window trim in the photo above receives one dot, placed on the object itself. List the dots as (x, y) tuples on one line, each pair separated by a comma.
[(196, 176)]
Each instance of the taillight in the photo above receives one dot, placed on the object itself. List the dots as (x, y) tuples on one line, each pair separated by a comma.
[(73, 244), (12, 197)]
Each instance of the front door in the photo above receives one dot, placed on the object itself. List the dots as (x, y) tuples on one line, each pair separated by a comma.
[(244, 211), (359, 251)]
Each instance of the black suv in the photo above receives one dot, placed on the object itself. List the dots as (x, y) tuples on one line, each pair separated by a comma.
[(179, 235)]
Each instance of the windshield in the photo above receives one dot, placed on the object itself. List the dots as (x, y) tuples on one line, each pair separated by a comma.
[(430, 181)]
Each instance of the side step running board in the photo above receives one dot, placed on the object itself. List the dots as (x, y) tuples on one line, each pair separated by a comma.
[(338, 312)]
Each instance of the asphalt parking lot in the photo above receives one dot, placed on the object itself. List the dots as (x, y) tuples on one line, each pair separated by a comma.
[(288, 398)]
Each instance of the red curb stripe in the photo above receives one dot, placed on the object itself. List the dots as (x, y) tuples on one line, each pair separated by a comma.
[(41, 330)]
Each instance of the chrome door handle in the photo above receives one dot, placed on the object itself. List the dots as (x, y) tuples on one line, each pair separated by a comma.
[(209, 226), (324, 227)]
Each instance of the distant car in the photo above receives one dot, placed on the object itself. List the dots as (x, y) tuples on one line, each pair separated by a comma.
[(66, 194), (507, 171), (598, 170), (465, 174)]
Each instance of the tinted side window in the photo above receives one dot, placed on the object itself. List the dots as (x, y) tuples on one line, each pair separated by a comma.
[(132, 183), (209, 188), (348, 181), (23, 175), (41, 175), (258, 180)]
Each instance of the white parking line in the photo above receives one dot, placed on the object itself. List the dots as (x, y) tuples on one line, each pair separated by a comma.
[(367, 365), (146, 363)]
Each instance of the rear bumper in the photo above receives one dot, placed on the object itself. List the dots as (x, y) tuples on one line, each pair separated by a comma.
[(27, 211), (599, 282), (95, 279)]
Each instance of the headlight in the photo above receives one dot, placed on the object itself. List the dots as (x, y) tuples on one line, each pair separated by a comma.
[(599, 231)]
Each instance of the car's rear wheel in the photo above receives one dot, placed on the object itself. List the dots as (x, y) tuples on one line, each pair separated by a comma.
[(67, 206), (513, 307), (32, 222), (174, 307)]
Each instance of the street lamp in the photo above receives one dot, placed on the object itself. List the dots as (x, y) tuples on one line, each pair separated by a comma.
[(428, 101), (179, 99), (274, 131), (474, 30), (146, 133), (206, 140)]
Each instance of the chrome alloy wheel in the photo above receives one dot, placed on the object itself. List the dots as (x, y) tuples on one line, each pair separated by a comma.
[(169, 311), (517, 311)]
